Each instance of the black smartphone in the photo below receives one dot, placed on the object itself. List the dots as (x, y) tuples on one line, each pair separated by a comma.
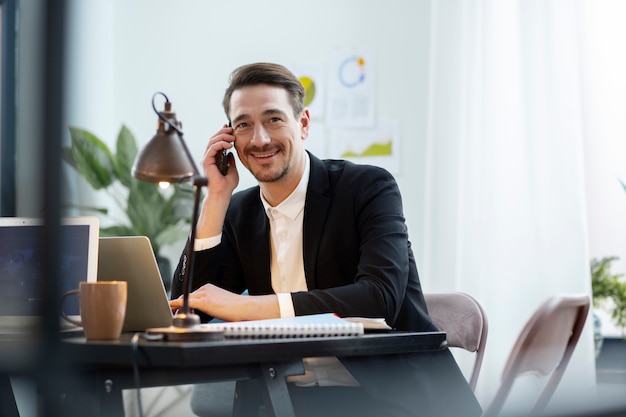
[(221, 159)]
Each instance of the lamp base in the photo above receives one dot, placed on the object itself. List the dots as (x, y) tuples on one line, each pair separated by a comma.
[(186, 334), (185, 328), (185, 320)]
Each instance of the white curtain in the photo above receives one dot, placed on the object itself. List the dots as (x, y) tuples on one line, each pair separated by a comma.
[(505, 197)]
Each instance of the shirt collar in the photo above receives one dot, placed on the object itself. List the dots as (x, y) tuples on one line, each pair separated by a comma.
[(293, 204)]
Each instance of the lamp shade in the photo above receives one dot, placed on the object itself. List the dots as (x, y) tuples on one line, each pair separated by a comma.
[(164, 158)]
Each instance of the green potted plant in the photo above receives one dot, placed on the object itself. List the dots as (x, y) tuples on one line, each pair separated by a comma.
[(606, 286), (161, 215), (609, 293)]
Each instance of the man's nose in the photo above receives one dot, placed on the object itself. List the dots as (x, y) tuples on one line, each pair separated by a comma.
[(260, 136)]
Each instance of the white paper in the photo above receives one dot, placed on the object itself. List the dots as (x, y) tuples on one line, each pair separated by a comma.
[(351, 88)]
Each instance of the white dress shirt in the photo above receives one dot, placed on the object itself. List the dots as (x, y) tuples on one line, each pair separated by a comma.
[(287, 265)]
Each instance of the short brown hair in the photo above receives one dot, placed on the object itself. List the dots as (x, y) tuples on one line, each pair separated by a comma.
[(269, 74)]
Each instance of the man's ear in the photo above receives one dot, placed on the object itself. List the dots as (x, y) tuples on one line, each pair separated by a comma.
[(305, 123)]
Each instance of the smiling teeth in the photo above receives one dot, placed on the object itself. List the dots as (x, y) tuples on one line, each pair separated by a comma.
[(266, 155)]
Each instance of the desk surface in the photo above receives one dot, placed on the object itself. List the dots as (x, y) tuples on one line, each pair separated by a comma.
[(105, 369), (244, 351)]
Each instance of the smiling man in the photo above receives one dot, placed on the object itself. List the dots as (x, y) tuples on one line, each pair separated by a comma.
[(314, 236)]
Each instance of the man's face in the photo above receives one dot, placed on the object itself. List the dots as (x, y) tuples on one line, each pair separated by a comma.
[(269, 139)]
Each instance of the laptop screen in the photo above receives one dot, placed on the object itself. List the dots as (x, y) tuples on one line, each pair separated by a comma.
[(21, 276)]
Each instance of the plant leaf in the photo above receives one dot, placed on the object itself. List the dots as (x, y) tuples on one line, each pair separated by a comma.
[(118, 230), (182, 202), (92, 158), (145, 209), (126, 154), (81, 207), (609, 286), (68, 156), (172, 234), (161, 216)]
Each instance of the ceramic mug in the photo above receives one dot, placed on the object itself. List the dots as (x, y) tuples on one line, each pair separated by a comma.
[(102, 309)]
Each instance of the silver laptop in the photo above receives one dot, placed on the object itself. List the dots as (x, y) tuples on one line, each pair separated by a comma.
[(131, 259), (21, 276)]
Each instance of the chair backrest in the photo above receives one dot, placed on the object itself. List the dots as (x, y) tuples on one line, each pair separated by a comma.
[(465, 323), (544, 347)]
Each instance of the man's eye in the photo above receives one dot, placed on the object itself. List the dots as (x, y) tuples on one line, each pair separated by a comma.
[(241, 126)]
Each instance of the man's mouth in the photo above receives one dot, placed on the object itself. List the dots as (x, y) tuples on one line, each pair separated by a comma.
[(264, 155)]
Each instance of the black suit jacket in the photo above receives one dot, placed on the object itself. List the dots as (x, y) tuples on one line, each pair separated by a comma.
[(357, 257), (358, 262)]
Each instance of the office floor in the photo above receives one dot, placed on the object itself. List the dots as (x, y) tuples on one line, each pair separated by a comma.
[(610, 394), (156, 402), (175, 401), (160, 402)]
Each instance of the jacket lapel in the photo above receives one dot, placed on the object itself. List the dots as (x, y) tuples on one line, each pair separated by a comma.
[(260, 254), (315, 214)]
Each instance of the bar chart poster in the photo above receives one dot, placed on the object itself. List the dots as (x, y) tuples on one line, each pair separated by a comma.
[(377, 145)]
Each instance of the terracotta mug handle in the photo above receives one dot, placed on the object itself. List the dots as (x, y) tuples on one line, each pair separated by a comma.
[(65, 316)]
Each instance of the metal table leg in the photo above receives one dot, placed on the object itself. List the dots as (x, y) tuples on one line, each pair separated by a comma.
[(8, 406), (270, 389)]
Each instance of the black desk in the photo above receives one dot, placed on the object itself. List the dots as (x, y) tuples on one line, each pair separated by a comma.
[(106, 368), (19, 354)]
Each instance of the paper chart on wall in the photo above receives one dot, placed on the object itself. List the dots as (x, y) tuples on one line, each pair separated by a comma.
[(351, 87), (312, 77), (373, 146)]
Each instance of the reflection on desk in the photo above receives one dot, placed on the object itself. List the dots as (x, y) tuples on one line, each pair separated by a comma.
[(106, 368), (240, 351)]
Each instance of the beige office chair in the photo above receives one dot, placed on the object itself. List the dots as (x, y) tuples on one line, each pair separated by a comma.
[(465, 323), (544, 347)]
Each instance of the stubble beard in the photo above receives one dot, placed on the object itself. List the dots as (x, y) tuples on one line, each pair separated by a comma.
[(270, 175)]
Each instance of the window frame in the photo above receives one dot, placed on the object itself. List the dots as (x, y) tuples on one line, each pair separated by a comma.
[(8, 112)]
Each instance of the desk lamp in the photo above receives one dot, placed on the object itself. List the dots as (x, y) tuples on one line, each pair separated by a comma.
[(166, 159)]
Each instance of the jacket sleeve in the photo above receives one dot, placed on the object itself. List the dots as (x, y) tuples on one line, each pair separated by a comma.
[(241, 261), (364, 261), (204, 268)]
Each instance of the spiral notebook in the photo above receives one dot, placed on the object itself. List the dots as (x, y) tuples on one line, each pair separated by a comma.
[(315, 325)]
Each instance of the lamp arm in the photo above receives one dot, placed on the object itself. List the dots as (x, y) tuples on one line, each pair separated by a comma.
[(185, 325), (198, 183), (186, 319)]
